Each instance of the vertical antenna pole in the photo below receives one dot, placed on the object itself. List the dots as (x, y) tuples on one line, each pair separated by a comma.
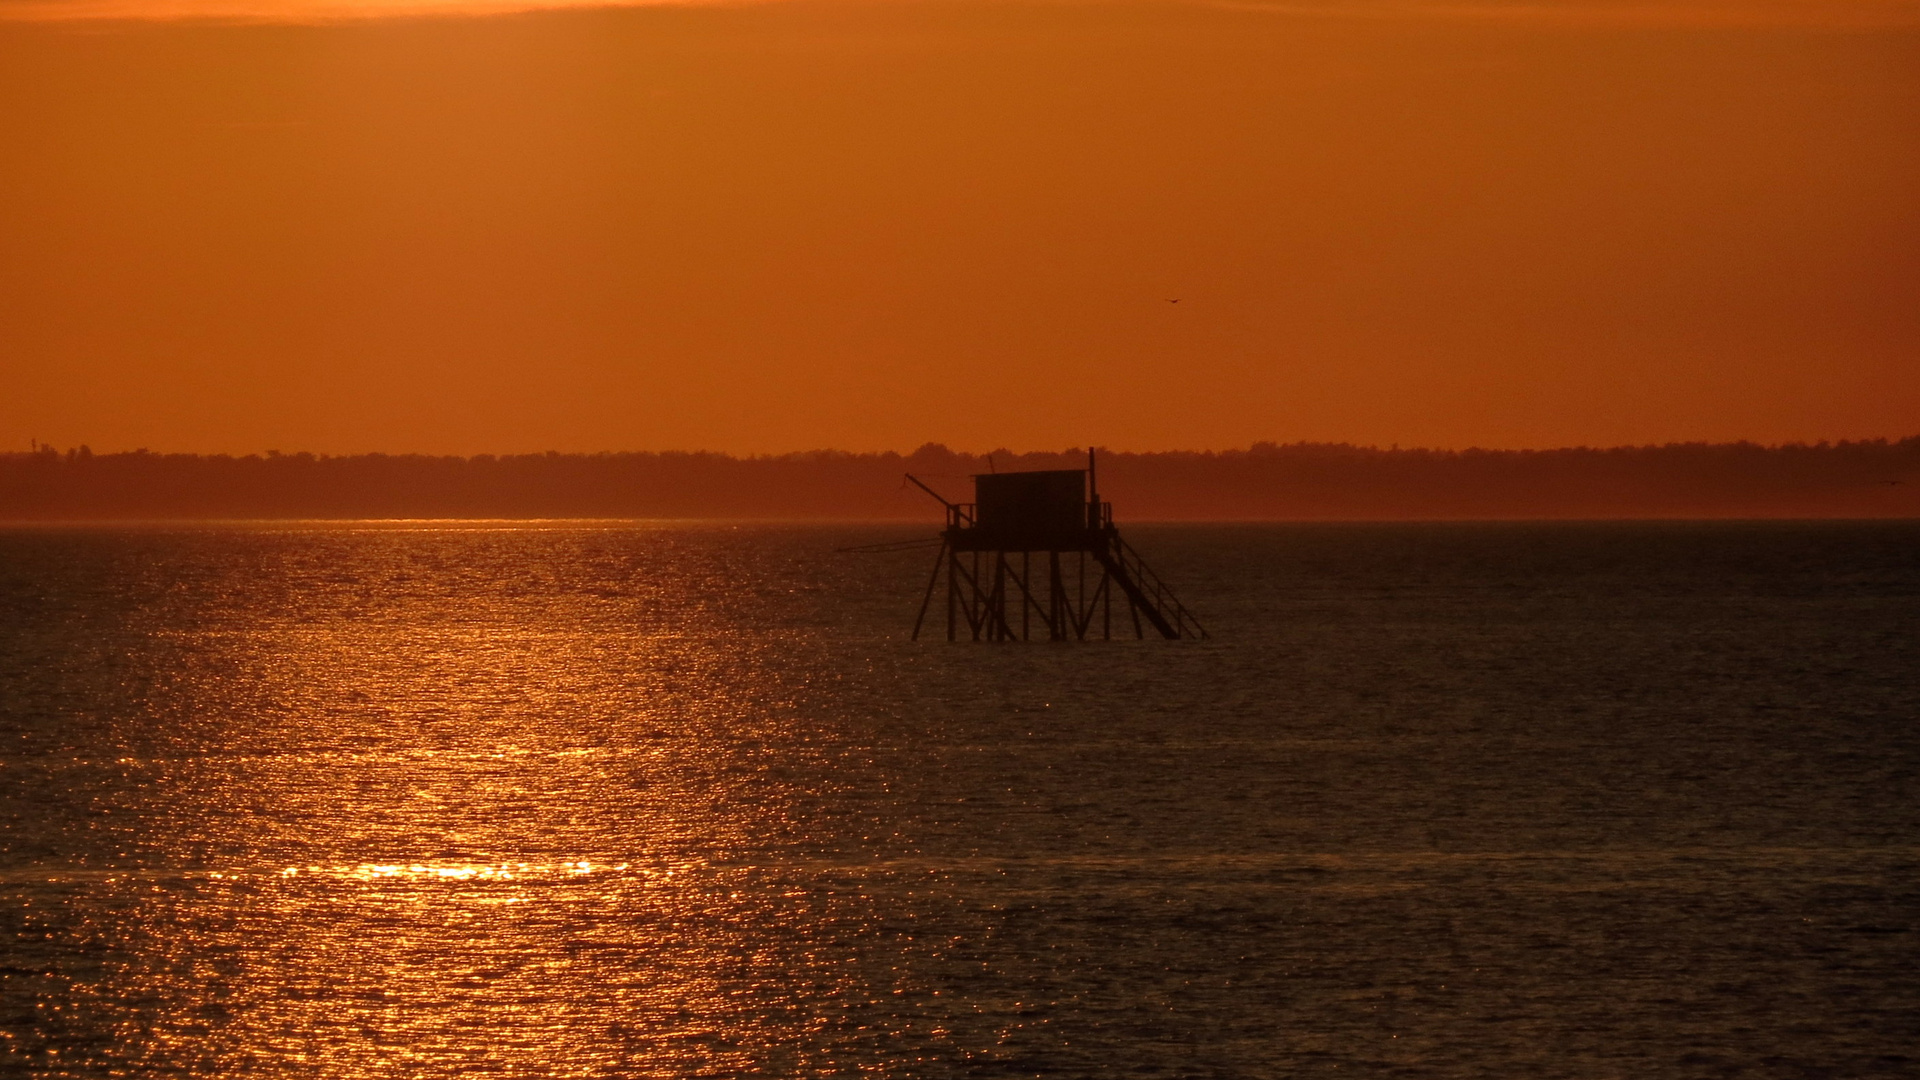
[(1093, 491)]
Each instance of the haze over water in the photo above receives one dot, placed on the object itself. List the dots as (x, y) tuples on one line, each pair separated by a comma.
[(592, 799)]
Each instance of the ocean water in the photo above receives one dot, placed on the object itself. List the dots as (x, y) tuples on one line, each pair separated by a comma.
[(634, 799)]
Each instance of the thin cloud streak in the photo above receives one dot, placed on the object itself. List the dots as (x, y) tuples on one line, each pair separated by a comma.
[(1837, 14), (1819, 14), (300, 12)]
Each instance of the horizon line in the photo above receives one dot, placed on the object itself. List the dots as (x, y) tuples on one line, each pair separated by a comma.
[(37, 447), (505, 524)]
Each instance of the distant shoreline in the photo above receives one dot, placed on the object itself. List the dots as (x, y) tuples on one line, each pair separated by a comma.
[(631, 524), (1305, 482)]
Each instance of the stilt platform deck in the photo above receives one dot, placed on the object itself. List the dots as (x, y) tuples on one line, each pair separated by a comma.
[(1036, 555)]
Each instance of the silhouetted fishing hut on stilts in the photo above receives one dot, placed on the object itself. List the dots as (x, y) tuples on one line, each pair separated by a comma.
[(988, 550)]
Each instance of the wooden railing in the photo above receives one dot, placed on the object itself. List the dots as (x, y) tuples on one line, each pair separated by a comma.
[(1156, 591)]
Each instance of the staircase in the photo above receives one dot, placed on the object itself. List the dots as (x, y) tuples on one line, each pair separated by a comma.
[(1148, 596)]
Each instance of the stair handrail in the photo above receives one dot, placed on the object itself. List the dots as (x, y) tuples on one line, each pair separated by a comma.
[(1163, 596)]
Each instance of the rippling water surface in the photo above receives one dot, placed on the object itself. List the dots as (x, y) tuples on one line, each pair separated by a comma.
[(563, 799)]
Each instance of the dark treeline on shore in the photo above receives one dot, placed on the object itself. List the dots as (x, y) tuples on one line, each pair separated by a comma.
[(1303, 481)]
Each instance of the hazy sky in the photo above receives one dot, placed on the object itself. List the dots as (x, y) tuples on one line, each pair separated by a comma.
[(793, 224)]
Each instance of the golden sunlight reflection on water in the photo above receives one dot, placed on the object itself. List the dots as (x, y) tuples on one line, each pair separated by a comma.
[(681, 801), (470, 792)]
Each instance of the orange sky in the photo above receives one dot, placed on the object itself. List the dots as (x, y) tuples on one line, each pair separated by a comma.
[(793, 224)]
